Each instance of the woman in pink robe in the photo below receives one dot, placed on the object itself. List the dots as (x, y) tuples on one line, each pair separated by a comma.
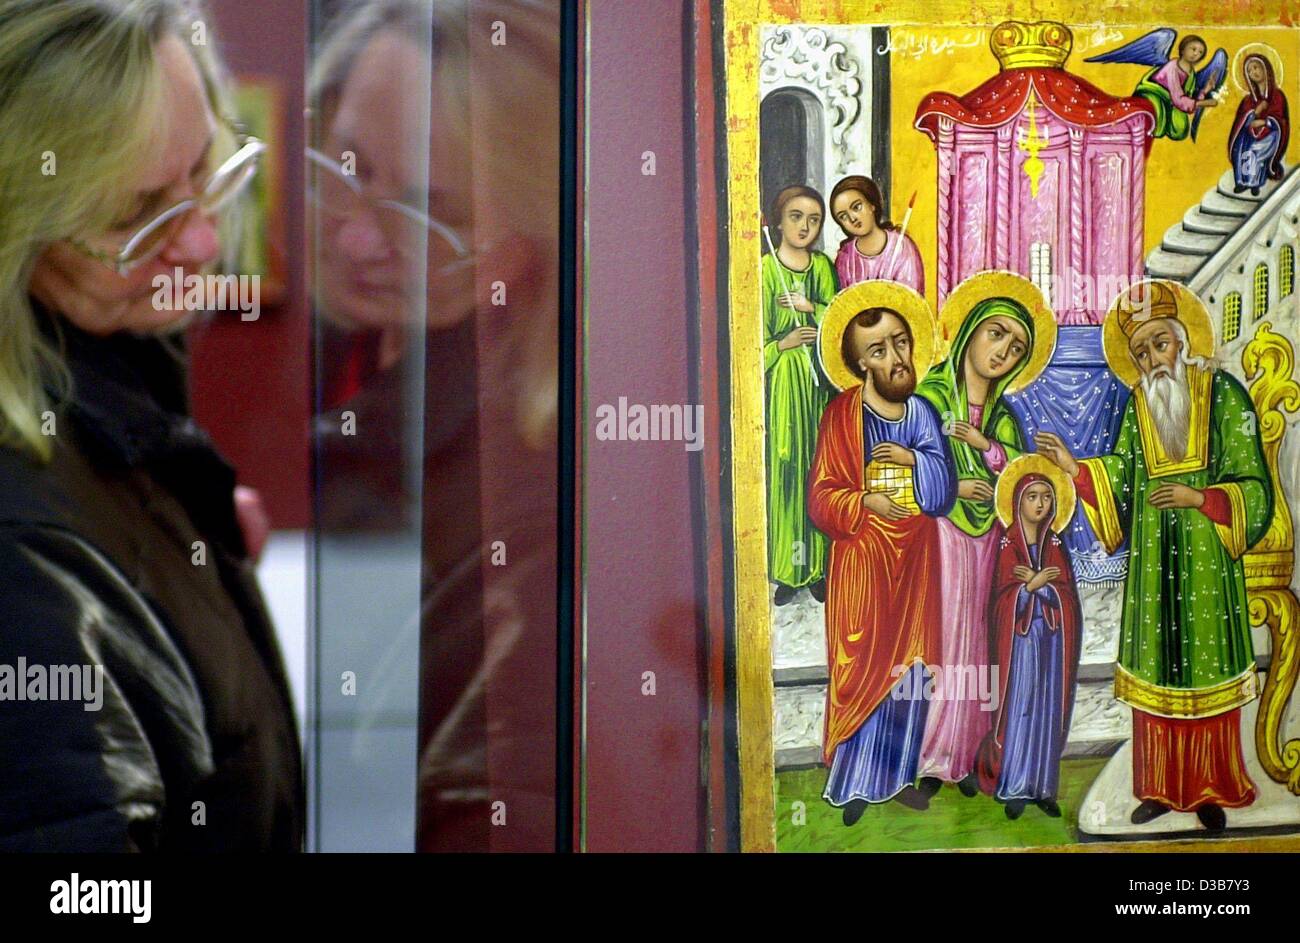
[(873, 247), (989, 351)]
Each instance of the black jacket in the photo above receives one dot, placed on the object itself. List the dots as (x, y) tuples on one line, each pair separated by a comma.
[(124, 552)]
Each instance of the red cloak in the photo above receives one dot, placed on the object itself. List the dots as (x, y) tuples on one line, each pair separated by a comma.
[(882, 580), (1005, 624), (1275, 107)]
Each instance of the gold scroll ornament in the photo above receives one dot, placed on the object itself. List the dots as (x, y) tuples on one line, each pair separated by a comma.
[(1268, 361)]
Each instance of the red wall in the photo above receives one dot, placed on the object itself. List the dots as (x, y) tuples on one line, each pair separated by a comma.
[(251, 380), (644, 789)]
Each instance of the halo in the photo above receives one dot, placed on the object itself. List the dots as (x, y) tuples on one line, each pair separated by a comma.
[(1259, 49), (1031, 463), (875, 293), (1000, 284), (1191, 313)]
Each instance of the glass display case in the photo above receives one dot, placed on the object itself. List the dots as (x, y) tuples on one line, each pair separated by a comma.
[(624, 541), (434, 184)]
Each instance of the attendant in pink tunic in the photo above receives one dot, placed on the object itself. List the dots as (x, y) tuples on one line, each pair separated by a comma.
[(872, 247)]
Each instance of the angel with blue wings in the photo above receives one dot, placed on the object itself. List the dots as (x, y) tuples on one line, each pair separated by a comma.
[(1176, 90)]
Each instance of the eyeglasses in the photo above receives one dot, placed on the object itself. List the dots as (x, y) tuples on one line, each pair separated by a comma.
[(222, 189), (338, 194)]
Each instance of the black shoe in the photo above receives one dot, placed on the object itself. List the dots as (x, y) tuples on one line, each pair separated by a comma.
[(1015, 808), (818, 590), (784, 594), (1239, 188), (929, 785), (1212, 817), (1049, 807), (913, 798), (1254, 191), (1148, 811), (970, 786), (853, 811)]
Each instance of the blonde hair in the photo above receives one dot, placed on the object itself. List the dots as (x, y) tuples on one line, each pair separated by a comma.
[(79, 92)]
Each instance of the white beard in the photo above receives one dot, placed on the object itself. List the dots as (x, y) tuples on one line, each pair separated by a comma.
[(1169, 399)]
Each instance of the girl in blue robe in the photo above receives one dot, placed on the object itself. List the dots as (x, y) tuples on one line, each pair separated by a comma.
[(1034, 627)]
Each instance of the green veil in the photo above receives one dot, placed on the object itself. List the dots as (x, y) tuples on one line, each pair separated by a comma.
[(945, 389)]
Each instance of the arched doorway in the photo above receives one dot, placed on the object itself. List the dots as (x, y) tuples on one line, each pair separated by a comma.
[(791, 132)]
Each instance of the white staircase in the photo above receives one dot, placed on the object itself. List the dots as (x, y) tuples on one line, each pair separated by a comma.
[(1206, 228)]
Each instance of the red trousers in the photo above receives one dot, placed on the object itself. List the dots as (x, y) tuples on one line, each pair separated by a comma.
[(1189, 763)]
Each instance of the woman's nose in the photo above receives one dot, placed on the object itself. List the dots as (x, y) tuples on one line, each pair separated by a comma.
[(360, 239), (196, 244)]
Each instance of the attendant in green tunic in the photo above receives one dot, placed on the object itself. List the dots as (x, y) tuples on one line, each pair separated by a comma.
[(990, 348), (1188, 485), (798, 283)]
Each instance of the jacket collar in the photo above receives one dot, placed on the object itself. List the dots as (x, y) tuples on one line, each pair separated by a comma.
[(129, 394), (130, 406)]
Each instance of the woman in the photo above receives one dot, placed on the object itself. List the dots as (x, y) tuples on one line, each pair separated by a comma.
[(873, 247), (1261, 129), (798, 283), (989, 351), (121, 551), (1035, 619)]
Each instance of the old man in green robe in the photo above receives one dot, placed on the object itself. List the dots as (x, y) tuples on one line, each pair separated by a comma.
[(1188, 486)]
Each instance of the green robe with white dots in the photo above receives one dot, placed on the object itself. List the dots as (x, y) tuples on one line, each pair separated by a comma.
[(1185, 646)]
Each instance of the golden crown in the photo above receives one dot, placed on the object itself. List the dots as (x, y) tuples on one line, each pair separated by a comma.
[(1042, 45)]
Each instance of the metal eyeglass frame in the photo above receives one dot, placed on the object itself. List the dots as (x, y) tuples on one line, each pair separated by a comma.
[(250, 150), (331, 166)]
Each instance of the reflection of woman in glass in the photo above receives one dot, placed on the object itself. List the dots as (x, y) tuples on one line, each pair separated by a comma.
[(798, 284), (121, 546), (1261, 128), (433, 163)]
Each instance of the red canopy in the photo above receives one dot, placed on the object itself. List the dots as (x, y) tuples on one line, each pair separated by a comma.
[(1002, 97)]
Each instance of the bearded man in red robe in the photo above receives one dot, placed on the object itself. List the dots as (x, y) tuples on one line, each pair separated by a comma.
[(881, 476)]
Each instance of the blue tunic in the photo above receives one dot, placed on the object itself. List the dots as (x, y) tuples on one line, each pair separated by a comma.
[(935, 476)]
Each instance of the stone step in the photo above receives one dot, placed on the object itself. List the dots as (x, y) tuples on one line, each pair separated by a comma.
[(1221, 204), (804, 674), (1164, 264), (798, 758), (1228, 183), (1197, 220), (1181, 241), (1098, 726)]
